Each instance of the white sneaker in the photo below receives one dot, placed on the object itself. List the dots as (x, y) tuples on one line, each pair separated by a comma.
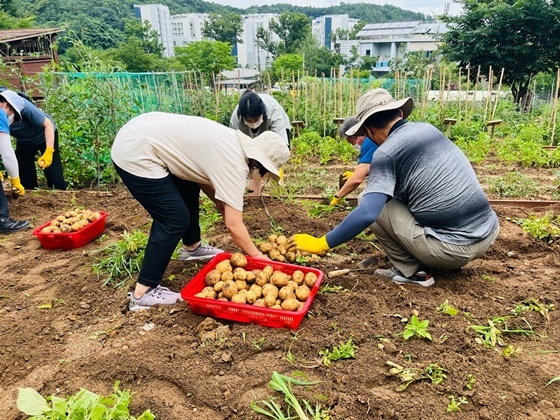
[(203, 252), (155, 296)]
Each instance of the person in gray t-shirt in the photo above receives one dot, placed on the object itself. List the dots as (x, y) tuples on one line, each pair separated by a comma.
[(424, 204)]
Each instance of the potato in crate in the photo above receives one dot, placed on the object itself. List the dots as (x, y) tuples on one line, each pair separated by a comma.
[(251, 290), (71, 230)]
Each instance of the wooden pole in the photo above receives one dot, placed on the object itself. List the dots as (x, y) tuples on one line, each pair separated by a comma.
[(498, 94), (555, 108)]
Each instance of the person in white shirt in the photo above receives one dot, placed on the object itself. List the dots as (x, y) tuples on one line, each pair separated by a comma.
[(165, 160)]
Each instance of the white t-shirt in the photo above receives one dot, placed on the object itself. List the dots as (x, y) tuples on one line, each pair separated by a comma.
[(196, 149)]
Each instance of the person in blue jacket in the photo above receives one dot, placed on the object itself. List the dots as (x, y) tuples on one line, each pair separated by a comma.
[(36, 135), (353, 179), (9, 114)]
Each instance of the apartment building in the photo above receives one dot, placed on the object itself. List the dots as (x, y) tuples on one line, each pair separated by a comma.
[(160, 19), (323, 27), (187, 28), (249, 53)]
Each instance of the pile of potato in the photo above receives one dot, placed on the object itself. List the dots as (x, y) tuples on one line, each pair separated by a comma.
[(276, 250), (71, 221), (229, 281)]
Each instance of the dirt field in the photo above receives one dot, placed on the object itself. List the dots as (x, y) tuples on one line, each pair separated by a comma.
[(89, 339)]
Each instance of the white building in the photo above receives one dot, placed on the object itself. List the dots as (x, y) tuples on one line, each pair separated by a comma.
[(159, 17), (249, 54), (187, 28), (324, 26), (389, 41)]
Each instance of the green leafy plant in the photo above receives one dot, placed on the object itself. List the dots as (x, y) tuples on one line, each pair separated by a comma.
[(555, 379), (513, 184), (121, 260), (82, 405), (416, 327), (546, 228), (301, 409), (344, 351), (534, 305), (455, 404), (433, 373), (471, 380), (329, 288), (492, 334), (447, 309)]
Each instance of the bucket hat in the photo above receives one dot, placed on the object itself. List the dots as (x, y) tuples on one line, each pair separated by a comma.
[(268, 148), (374, 101), (15, 101)]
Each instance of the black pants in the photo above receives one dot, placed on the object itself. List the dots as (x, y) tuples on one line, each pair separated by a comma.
[(27, 155), (174, 206), (4, 212)]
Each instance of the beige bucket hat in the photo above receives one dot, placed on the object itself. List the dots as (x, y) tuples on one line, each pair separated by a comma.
[(269, 149), (374, 101), (15, 101)]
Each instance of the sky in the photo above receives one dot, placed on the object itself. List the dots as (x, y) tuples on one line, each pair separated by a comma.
[(428, 7)]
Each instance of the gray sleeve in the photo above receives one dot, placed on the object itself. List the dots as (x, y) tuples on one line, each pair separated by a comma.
[(234, 120), (8, 156)]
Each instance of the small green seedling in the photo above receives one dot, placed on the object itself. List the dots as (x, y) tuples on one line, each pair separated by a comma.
[(258, 343), (327, 288), (447, 309), (555, 379), (417, 327), (486, 277), (433, 372), (455, 404), (344, 351), (471, 380)]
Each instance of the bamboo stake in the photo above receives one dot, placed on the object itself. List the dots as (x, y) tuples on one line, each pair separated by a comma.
[(459, 91), (476, 87), (488, 93), (324, 105), (467, 93), (498, 94)]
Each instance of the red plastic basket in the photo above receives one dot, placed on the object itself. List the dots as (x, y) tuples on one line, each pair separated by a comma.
[(276, 318), (71, 240)]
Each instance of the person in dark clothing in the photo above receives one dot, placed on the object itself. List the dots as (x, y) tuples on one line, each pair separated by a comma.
[(35, 134)]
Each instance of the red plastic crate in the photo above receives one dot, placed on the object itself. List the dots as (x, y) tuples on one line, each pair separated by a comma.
[(71, 240), (241, 312)]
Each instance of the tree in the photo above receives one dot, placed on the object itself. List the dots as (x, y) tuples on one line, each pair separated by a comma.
[(318, 60), (286, 65), (149, 38), (224, 28), (520, 36), (292, 29), (208, 57)]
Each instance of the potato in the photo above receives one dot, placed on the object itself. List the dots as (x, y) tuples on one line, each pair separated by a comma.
[(256, 289), (212, 277), (303, 292), (276, 307), (239, 298), (286, 292), (241, 284), (229, 289), (279, 279), (227, 275), (250, 276), (55, 223), (218, 286), (310, 279), (224, 266), (273, 254), (250, 296), (272, 238), (47, 229), (298, 276), (290, 305), (270, 300), (292, 285), (268, 270), (238, 260), (281, 240), (239, 273), (270, 290), (290, 256), (65, 228), (210, 292), (259, 302), (265, 247), (262, 278)]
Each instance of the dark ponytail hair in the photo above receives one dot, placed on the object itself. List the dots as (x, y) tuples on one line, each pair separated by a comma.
[(251, 106)]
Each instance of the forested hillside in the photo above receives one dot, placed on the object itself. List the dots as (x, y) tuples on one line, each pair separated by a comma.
[(100, 23)]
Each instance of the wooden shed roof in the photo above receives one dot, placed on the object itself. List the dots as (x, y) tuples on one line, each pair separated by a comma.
[(11, 35)]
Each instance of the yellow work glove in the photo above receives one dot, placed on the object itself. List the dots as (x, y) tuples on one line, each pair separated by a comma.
[(346, 175), (16, 186), (335, 201), (45, 161), (308, 243), (1, 176)]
